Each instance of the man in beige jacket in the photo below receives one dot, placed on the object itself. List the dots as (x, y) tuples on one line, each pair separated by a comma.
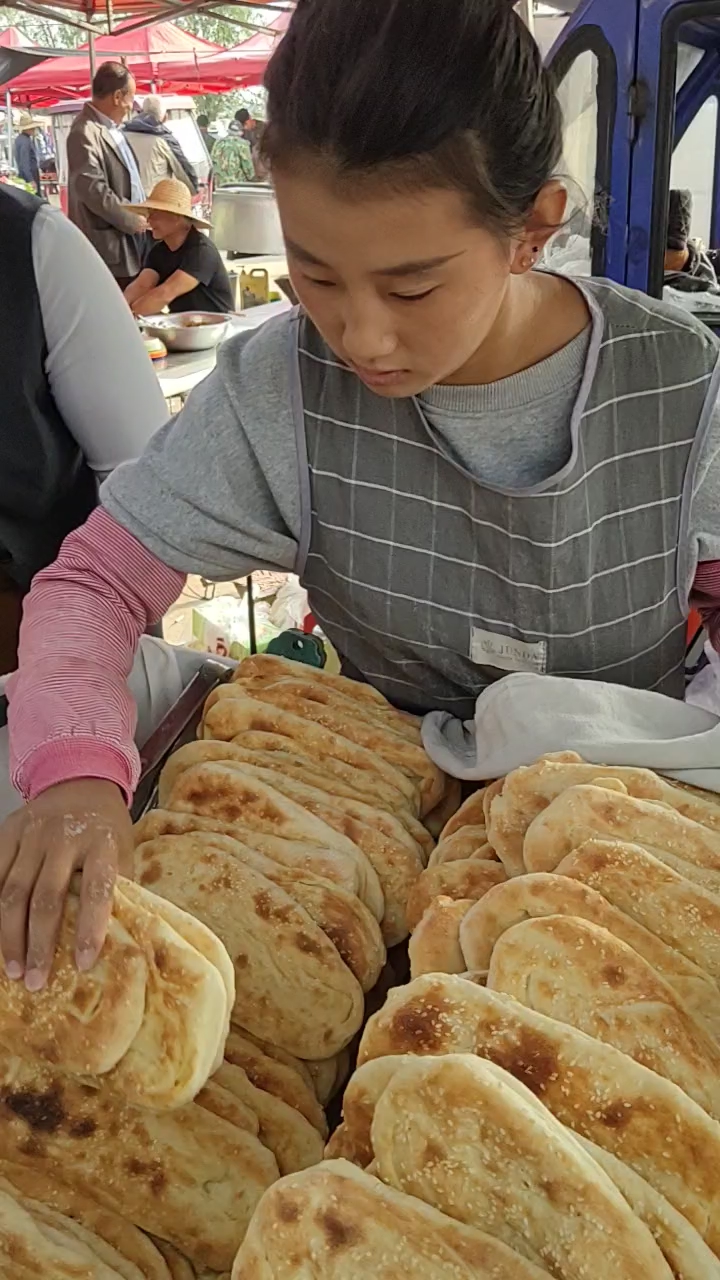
[(156, 149), (103, 175)]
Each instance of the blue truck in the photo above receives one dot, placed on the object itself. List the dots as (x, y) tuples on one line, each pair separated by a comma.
[(640, 83)]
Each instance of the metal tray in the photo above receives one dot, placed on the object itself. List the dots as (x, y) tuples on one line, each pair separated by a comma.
[(178, 727)]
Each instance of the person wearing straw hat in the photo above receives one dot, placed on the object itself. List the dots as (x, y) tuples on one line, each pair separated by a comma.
[(183, 271), (26, 156)]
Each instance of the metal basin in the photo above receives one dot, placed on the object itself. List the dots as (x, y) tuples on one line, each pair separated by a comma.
[(187, 330)]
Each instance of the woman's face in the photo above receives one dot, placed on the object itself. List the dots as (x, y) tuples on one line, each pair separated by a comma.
[(403, 287)]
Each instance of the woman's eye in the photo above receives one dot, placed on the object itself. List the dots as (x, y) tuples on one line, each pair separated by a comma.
[(414, 297), (322, 284)]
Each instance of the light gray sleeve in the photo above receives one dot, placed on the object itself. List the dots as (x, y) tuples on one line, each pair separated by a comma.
[(99, 373), (218, 491)]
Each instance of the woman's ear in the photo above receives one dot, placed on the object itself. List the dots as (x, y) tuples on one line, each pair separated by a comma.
[(546, 218)]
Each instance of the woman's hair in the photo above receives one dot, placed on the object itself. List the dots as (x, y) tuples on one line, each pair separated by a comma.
[(418, 93)]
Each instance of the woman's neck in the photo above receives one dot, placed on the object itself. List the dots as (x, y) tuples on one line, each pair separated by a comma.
[(540, 315)]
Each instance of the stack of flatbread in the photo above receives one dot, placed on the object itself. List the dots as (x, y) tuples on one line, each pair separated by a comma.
[(151, 1017), (123, 1112), (449, 1167), (295, 829), (551, 1076)]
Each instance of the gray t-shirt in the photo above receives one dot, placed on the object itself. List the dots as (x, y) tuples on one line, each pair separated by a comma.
[(218, 491)]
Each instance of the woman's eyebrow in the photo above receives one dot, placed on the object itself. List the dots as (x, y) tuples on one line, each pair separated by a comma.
[(402, 269)]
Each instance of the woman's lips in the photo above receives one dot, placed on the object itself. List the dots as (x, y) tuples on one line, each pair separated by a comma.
[(377, 378)]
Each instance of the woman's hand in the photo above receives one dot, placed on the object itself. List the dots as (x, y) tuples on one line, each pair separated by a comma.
[(76, 826)]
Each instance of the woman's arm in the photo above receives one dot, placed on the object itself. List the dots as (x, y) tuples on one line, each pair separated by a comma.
[(82, 623), (71, 741), (100, 376), (217, 493)]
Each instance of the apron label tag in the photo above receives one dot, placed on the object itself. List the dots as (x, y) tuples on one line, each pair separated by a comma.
[(490, 650)]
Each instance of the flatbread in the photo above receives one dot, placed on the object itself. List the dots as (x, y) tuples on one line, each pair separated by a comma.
[(529, 790), (223, 792), (294, 1142), (222, 1102), (398, 825), (178, 1266), (329, 1075), (185, 1175), (538, 895), (684, 1250), (84, 1022), (340, 699), (579, 973), (292, 987), (302, 1068), (593, 812), (271, 666), (186, 1013), (469, 842), (470, 814), (296, 855), (276, 1078), (396, 859), (353, 1139), (341, 915), (337, 1223), (353, 784), (55, 1225), (435, 943), (470, 879), (464, 1136), (235, 716), (446, 808), (132, 1244), (680, 912), (408, 757), (594, 1089), (33, 1249)]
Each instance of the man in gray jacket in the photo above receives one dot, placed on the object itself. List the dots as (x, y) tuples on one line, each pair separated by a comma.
[(103, 175)]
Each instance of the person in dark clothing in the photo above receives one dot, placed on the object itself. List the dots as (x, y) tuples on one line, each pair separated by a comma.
[(157, 150), (26, 156), (203, 124), (184, 270), (687, 266), (247, 124)]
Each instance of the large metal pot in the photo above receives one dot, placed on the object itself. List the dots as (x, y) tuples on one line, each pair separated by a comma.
[(246, 220)]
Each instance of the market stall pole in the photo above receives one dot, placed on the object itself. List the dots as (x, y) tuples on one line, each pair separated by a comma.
[(101, 16)]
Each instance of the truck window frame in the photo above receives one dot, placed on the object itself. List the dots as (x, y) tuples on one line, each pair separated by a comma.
[(665, 129), (592, 39)]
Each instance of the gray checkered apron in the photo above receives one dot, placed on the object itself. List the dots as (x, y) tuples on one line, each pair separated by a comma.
[(433, 584)]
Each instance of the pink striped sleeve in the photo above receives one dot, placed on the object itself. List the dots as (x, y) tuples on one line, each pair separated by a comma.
[(706, 598), (71, 715)]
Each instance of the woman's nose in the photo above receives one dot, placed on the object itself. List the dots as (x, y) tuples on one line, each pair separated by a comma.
[(368, 334)]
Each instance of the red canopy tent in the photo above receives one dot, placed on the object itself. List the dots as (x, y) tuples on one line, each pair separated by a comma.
[(146, 51), (242, 65), (11, 38)]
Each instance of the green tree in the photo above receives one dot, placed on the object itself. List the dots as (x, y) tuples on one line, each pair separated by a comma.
[(223, 25)]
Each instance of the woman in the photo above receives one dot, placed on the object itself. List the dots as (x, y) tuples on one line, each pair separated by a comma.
[(474, 467), (183, 271)]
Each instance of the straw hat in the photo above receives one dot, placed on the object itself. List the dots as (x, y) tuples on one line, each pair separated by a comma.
[(170, 196), (26, 121)]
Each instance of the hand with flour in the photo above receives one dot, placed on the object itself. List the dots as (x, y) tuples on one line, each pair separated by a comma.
[(79, 826)]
